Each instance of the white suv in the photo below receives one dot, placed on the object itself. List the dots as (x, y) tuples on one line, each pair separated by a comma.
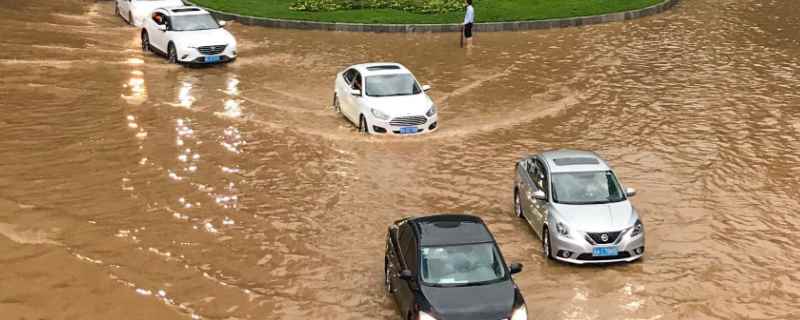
[(188, 35)]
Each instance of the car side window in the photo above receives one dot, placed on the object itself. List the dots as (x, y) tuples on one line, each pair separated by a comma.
[(531, 169), (159, 18), (348, 76), (408, 246), (357, 85), (541, 179)]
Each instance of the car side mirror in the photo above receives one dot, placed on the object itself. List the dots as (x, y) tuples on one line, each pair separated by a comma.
[(630, 192), (406, 275), (539, 195), (426, 88), (222, 23), (515, 268), (355, 92), (162, 27)]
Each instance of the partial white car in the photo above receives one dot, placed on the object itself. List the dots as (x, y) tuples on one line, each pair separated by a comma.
[(134, 11), (188, 35), (384, 98)]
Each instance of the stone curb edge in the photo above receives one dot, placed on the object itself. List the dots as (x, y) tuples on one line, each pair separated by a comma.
[(480, 27)]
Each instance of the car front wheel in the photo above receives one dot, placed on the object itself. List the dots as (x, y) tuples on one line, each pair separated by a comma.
[(145, 42), (337, 106), (172, 54), (387, 277), (517, 204), (546, 248), (362, 125)]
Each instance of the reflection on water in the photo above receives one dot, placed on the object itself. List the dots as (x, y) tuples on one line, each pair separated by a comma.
[(234, 192)]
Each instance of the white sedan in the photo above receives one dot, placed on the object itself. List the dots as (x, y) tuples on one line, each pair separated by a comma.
[(188, 35), (134, 11), (384, 98)]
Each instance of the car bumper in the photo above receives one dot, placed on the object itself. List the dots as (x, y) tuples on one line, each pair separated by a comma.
[(579, 250), (383, 127), (192, 56)]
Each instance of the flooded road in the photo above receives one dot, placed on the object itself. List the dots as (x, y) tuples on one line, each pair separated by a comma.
[(134, 189)]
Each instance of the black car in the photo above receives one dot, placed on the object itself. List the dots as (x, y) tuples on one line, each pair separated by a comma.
[(448, 267)]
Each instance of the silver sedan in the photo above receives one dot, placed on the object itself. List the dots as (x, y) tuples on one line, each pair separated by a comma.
[(576, 206)]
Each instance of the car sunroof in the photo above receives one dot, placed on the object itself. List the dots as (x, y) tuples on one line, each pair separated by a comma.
[(575, 161), (185, 10), (376, 68)]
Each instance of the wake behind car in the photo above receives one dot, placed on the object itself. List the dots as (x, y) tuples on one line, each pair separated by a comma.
[(135, 11), (576, 206), (445, 267), (384, 98), (188, 35)]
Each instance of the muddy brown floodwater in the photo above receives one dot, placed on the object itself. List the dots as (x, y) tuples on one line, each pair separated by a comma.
[(134, 189)]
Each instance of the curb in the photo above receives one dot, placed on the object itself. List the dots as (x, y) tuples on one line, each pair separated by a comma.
[(481, 27)]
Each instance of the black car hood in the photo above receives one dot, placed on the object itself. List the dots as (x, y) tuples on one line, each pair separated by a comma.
[(486, 302)]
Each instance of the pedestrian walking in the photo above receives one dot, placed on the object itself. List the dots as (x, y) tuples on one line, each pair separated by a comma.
[(469, 20)]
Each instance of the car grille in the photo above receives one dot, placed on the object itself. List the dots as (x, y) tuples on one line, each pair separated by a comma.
[(408, 121), (590, 257), (208, 50), (597, 237)]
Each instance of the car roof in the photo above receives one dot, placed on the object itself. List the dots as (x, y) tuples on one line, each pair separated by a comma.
[(184, 10), (450, 229), (377, 68), (566, 160)]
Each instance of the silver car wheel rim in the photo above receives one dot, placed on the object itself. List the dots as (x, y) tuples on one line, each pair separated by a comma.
[(517, 205)]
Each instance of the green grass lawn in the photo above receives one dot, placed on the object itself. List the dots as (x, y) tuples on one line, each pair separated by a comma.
[(485, 11)]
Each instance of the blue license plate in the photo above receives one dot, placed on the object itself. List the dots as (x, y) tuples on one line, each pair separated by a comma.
[(604, 251), (210, 59), (408, 130)]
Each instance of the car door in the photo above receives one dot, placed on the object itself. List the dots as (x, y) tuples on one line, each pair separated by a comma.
[(343, 91), (405, 289), (354, 101), (158, 37), (541, 181), (524, 186), (124, 8)]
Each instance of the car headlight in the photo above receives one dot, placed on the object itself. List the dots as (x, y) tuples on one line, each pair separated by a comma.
[(424, 316), (520, 314), (562, 229), (378, 114), (431, 111), (638, 228)]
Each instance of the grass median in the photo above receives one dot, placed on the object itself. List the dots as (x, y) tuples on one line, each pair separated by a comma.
[(485, 11)]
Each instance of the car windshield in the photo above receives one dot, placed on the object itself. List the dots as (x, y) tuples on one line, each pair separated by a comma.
[(392, 85), (461, 265), (593, 187), (194, 22)]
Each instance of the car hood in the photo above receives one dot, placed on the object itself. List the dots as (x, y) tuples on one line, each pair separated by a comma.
[(399, 106), (492, 301), (597, 217), (204, 37)]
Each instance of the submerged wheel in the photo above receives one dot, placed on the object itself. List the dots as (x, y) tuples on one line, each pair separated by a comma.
[(362, 125), (130, 19), (546, 250), (145, 42), (337, 107), (517, 204), (116, 9), (172, 54), (387, 282)]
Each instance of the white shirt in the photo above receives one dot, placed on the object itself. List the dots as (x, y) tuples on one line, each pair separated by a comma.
[(470, 17)]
